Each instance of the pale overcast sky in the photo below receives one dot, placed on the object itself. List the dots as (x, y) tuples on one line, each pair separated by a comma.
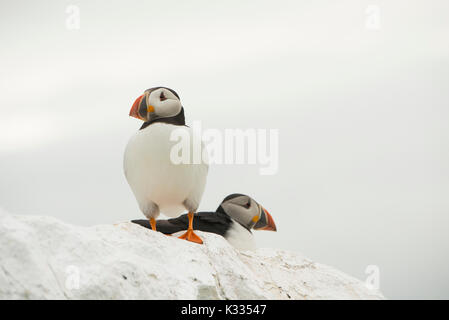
[(358, 91)]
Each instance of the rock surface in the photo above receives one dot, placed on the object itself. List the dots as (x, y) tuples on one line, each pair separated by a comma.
[(44, 258)]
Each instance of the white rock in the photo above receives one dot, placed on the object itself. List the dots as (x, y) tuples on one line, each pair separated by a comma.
[(43, 258)]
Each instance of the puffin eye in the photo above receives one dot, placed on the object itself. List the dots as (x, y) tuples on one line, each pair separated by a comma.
[(162, 97), (247, 205)]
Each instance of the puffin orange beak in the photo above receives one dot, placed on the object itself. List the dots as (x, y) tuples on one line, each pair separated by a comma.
[(265, 223), (134, 112), (270, 222)]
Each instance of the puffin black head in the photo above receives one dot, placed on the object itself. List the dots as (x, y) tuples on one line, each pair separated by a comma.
[(159, 104), (246, 211)]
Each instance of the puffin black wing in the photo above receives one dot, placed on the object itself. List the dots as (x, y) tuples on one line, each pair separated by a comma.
[(167, 226), (213, 222)]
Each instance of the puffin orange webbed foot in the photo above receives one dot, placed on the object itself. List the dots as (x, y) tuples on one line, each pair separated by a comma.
[(191, 236)]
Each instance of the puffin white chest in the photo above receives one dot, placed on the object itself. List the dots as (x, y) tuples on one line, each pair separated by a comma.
[(240, 238), (154, 178)]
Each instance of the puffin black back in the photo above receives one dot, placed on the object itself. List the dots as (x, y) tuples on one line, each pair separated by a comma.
[(213, 222)]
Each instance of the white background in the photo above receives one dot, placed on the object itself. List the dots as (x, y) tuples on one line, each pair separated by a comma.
[(362, 116)]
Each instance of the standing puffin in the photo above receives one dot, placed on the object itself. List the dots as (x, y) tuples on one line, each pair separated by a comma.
[(158, 184), (233, 219)]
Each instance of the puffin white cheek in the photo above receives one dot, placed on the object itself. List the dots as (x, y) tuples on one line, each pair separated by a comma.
[(168, 108)]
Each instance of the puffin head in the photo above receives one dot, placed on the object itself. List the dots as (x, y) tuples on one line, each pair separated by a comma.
[(157, 103), (246, 211)]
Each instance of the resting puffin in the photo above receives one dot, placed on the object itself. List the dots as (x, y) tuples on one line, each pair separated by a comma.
[(159, 184), (233, 219)]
